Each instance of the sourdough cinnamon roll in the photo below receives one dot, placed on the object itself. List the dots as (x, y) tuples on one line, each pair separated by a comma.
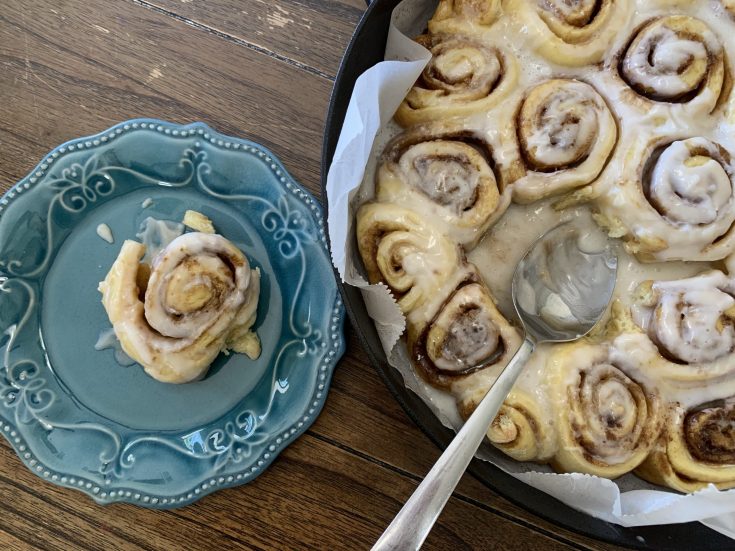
[(400, 249), (697, 448), (446, 173), (674, 60), (566, 134), (570, 32), (198, 297), (521, 430), (683, 331), (677, 203), (460, 332), (607, 421), (461, 16), (464, 76), (692, 321)]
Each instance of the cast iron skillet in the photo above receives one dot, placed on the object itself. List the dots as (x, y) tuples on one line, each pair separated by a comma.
[(365, 50)]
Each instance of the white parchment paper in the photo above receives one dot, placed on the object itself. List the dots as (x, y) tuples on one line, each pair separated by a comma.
[(378, 92)]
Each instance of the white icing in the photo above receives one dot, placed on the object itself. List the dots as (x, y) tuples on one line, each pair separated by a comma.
[(108, 339), (147, 202), (691, 194), (156, 235), (660, 71), (105, 233)]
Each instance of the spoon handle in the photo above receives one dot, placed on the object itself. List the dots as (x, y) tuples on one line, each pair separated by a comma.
[(414, 521)]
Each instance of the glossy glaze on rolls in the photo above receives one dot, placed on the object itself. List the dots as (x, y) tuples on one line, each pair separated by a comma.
[(614, 112)]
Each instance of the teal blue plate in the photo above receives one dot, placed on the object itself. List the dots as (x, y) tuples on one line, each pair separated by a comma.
[(78, 418)]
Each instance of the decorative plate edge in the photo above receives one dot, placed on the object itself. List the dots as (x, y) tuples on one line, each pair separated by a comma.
[(101, 494)]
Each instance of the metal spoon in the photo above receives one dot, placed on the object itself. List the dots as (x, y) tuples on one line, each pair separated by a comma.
[(561, 288)]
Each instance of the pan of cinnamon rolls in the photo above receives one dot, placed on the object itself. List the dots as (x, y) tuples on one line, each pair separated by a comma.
[(530, 112)]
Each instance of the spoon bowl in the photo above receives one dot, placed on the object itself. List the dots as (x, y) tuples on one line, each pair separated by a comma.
[(561, 288), (563, 284)]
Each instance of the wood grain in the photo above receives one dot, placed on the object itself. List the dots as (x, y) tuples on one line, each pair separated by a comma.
[(310, 33), (72, 69)]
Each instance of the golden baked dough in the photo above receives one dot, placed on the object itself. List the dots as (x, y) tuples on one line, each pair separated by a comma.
[(198, 298), (521, 430), (566, 134), (461, 16), (570, 33), (607, 422), (677, 201), (459, 332), (464, 76), (697, 448), (444, 173), (399, 249)]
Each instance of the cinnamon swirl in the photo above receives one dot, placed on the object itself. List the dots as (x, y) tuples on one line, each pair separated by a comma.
[(571, 33), (198, 298), (399, 249), (464, 76), (697, 448), (566, 134), (677, 203), (520, 429), (446, 173), (606, 420), (460, 332), (675, 60)]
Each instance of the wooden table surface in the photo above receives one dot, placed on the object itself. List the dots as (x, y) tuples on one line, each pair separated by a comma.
[(262, 70)]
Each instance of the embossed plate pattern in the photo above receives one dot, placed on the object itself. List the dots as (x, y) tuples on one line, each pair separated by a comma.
[(73, 414)]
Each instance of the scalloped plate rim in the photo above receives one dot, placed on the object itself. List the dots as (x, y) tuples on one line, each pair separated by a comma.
[(272, 449)]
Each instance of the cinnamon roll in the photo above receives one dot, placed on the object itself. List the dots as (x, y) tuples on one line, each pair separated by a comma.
[(571, 33), (521, 430), (697, 448), (566, 134), (464, 76), (460, 332), (198, 297), (684, 331), (446, 173), (691, 320), (402, 251), (674, 60), (459, 16), (607, 421), (677, 203)]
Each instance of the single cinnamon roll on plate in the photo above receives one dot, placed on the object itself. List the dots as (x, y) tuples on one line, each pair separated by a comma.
[(198, 297)]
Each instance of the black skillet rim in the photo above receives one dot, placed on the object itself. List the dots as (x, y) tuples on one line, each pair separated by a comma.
[(365, 49)]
